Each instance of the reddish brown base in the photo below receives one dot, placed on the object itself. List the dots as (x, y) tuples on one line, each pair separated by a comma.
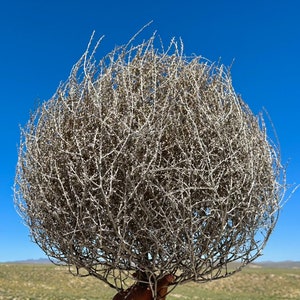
[(142, 291)]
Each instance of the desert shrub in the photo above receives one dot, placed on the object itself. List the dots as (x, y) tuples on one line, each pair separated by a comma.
[(148, 161)]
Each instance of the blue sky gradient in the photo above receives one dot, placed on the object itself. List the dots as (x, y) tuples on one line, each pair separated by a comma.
[(40, 42)]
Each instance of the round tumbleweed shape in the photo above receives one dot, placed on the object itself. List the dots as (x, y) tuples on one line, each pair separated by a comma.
[(148, 161)]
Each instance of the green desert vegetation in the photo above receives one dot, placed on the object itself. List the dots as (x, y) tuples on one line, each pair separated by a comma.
[(47, 282)]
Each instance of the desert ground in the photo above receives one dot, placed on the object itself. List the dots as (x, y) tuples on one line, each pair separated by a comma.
[(50, 282)]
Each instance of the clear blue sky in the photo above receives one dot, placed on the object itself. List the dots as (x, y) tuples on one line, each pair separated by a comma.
[(41, 40)]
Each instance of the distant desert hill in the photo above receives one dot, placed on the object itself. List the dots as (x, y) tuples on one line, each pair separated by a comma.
[(264, 264), (288, 264), (40, 261)]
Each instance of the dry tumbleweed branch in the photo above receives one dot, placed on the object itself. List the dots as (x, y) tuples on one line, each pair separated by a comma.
[(149, 162)]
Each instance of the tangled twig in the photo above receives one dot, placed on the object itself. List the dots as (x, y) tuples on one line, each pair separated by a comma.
[(148, 161)]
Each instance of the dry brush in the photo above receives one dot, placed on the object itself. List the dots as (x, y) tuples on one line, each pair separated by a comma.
[(148, 161)]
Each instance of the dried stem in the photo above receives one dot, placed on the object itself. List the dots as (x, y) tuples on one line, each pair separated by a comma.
[(148, 161)]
